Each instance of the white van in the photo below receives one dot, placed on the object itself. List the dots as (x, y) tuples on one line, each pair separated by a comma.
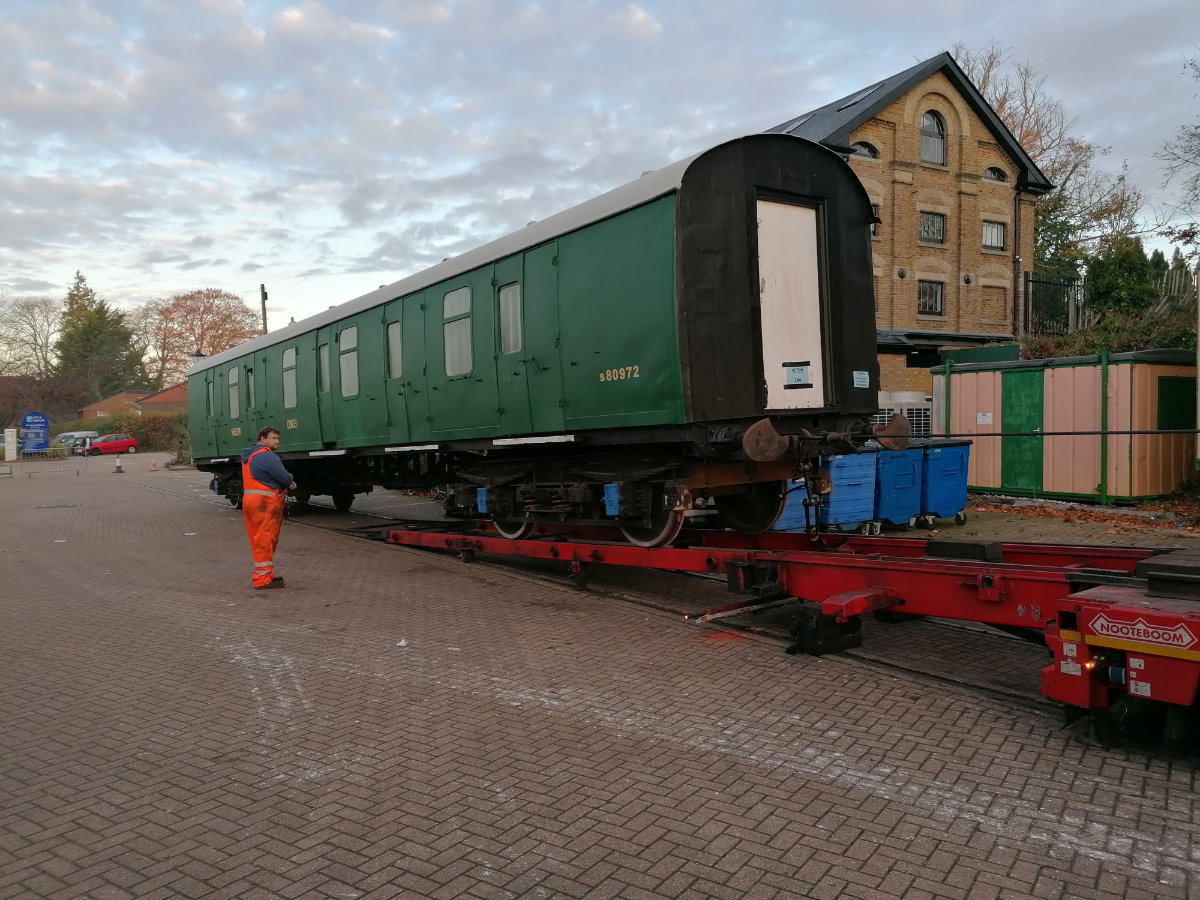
[(68, 437)]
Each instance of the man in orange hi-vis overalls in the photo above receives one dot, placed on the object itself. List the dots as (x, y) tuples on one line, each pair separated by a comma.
[(265, 483)]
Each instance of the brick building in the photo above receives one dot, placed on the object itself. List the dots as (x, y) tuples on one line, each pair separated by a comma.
[(169, 401), (117, 405), (954, 193)]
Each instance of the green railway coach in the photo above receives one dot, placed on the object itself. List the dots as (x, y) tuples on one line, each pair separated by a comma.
[(698, 334)]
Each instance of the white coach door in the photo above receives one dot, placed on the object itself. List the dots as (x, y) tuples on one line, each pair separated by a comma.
[(790, 299)]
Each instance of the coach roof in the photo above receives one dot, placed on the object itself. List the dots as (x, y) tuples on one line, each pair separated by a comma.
[(650, 186)]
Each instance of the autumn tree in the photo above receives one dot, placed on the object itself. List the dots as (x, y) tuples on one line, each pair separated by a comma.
[(1090, 206), (206, 320)]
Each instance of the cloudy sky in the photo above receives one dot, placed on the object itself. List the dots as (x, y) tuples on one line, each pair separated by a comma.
[(325, 148)]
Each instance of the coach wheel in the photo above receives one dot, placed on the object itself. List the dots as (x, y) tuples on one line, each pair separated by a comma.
[(755, 509), (514, 529), (665, 523), (343, 500), (235, 501)]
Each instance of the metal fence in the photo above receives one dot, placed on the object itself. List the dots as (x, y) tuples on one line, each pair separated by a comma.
[(1059, 307)]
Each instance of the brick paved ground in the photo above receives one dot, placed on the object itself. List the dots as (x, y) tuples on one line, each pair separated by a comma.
[(395, 723)]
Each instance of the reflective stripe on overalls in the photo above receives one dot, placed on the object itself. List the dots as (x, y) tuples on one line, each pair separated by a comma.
[(262, 509)]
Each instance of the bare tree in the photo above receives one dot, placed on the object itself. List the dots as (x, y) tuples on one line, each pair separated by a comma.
[(1181, 158), (29, 329), (1090, 207), (207, 320)]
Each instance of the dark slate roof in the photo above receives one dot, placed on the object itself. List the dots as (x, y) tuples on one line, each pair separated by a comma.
[(832, 124), (908, 337)]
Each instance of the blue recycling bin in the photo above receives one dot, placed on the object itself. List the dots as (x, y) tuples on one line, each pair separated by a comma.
[(898, 480), (849, 505), (944, 479)]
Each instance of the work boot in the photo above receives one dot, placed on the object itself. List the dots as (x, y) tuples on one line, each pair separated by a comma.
[(276, 582)]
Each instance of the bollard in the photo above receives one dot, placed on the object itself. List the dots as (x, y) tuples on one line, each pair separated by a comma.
[(153, 467), (118, 470)]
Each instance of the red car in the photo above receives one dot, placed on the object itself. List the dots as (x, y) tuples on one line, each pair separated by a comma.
[(113, 443)]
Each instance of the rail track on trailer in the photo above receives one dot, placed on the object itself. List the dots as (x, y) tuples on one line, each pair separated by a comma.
[(1121, 624)]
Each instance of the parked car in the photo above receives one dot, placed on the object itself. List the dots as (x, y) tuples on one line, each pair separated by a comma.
[(112, 443), (67, 438)]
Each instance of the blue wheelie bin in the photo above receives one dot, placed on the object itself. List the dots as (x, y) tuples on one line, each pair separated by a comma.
[(898, 479), (944, 481), (851, 503)]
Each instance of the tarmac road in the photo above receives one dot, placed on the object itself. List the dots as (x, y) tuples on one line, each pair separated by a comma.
[(396, 723)]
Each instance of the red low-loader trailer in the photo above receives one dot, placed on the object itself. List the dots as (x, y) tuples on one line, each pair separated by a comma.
[(1120, 622)]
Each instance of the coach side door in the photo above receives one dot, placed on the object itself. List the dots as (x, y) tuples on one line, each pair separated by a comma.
[(512, 364), (394, 363), (543, 362), (461, 366), (326, 423)]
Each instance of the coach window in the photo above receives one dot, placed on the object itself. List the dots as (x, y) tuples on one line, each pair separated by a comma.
[(510, 318), (348, 360), (250, 389), (289, 378), (208, 409), (323, 368), (395, 348), (235, 410), (456, 331)]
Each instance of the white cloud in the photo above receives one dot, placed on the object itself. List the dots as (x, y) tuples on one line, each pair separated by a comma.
[(326, 148)]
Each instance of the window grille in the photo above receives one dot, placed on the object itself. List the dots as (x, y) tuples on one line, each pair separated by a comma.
[(933, 228), (931, 298)]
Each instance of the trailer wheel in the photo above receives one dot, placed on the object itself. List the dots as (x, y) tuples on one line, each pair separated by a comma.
[(1103, 727), (1177, 730)]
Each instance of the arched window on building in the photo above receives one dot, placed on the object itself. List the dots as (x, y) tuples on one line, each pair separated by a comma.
[(994, 174), (862, 148), (933, 139)]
